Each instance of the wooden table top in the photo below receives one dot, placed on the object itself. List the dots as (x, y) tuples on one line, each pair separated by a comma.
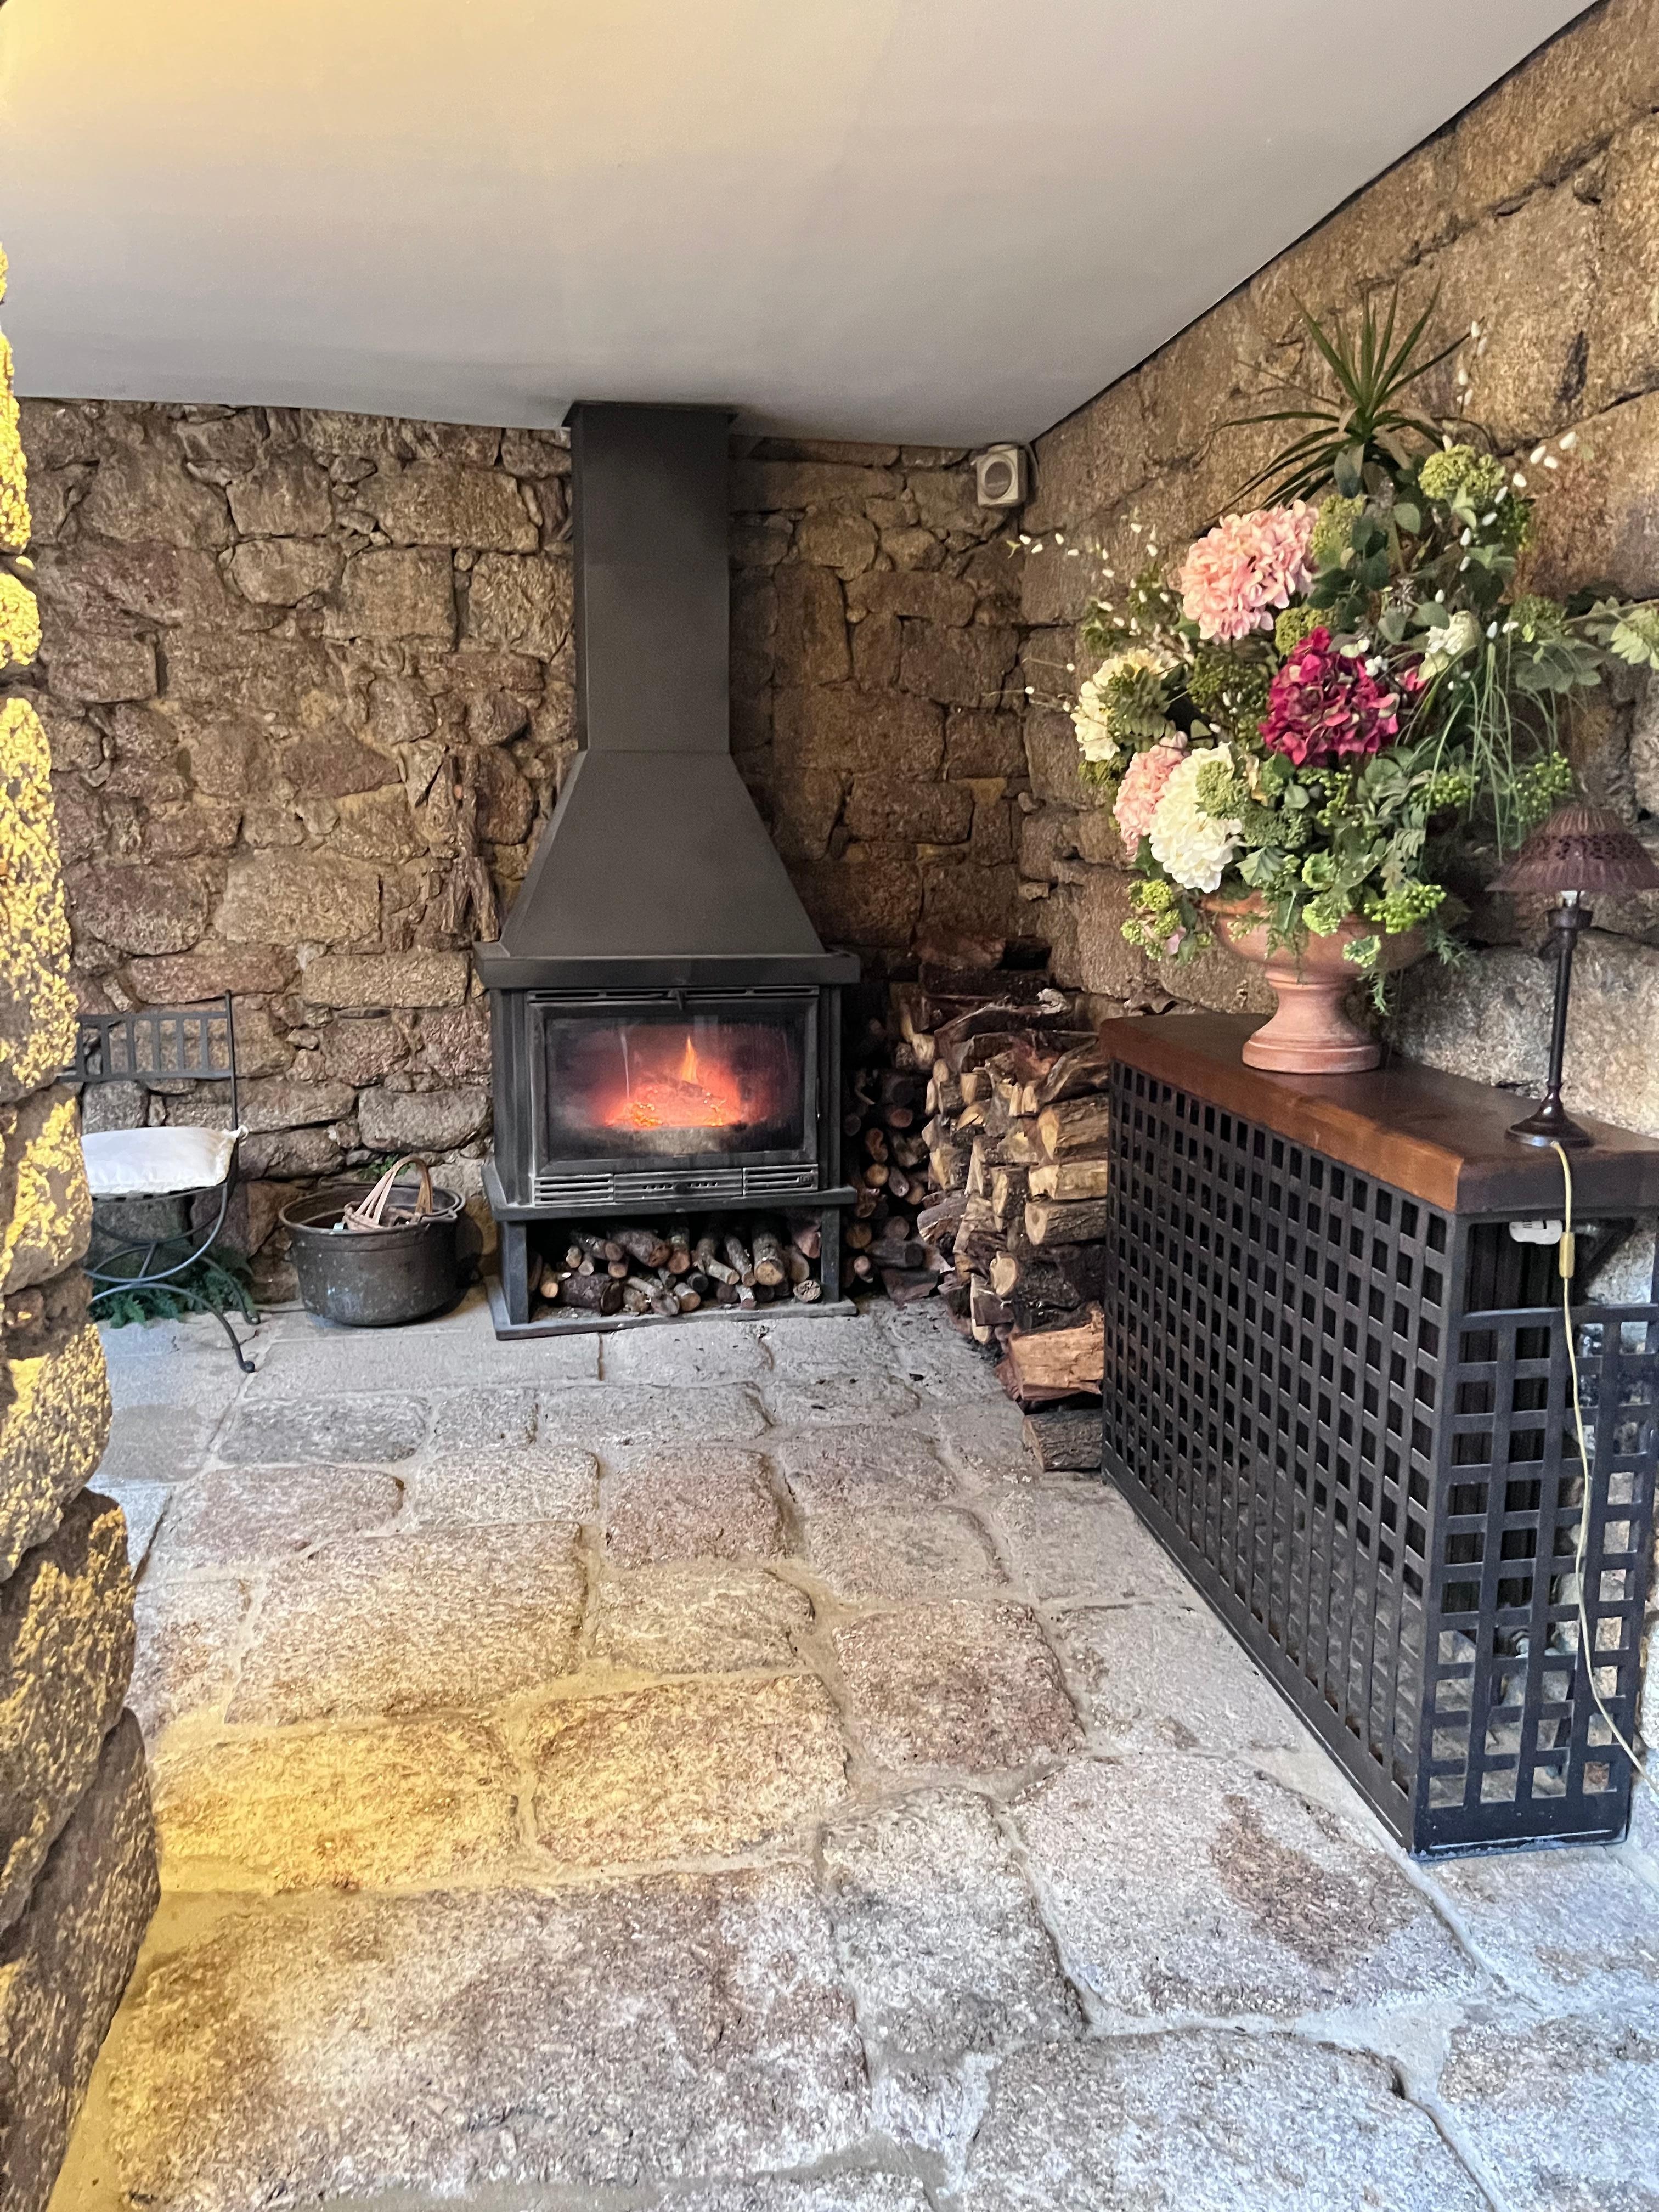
[(1439, 1137)]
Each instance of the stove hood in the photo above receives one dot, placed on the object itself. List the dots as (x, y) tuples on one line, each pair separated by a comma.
[(656, 868)]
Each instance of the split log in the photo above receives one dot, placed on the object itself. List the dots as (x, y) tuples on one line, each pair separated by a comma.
[(807, 1236), (769, 1256), (905, 1286), (1082, 1177), (1051, 1221), (985, 1310), (1075, 1125), (1075, 1074), (1057, 1363), (939, 1217), (797, 1266), (1063, 1439), (642, 1244), (679, 1248), (595, 1294)]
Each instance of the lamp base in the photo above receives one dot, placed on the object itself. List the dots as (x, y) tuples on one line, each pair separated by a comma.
[(1549, 1125)]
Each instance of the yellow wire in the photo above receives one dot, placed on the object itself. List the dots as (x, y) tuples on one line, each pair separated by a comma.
[(1565, 1270)]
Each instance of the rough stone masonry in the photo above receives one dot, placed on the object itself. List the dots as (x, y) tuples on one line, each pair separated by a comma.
[(300, 669), (77, 1854), (1535, 216)]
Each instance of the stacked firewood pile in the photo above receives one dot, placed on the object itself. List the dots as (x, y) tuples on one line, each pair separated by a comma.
[(637, 1268), (885, 1157), (1017, 1127)]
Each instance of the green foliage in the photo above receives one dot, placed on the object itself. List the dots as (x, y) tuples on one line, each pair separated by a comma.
[(1229, 684), (1359, 434), (1333, 532), (1295, 624), (220, 1280)]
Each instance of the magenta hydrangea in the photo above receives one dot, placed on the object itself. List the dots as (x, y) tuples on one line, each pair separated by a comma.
[(1326, 706), (1141, 789), (1248, 564)]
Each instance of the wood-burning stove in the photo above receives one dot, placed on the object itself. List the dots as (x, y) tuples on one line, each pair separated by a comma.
[(665, 1021)]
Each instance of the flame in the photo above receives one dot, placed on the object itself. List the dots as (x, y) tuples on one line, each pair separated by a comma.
[(693, 1098)]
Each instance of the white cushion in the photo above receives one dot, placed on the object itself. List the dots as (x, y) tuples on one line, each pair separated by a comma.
[(152, 1163)]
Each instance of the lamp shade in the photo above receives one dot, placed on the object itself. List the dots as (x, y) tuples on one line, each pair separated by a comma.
[(1580, 848)]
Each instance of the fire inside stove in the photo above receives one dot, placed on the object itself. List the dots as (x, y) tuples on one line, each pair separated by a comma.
[(676, 1083), (698, 1093)]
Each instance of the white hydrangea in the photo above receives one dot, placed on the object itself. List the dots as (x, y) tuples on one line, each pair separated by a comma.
[(1451, 641), (1094, 737), (1189, 845)]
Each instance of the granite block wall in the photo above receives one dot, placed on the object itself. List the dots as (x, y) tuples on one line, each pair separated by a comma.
[(77, 1856), (1535, 216), (308, 683)]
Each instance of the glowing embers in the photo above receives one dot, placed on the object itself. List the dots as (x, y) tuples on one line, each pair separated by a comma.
[(697, 1093)]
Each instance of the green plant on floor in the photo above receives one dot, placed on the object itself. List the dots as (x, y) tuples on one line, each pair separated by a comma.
[(219, 1280)]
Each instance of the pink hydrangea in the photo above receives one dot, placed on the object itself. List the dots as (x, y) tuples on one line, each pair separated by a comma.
[(1248, 565), (1327, 706), (1141, 789)]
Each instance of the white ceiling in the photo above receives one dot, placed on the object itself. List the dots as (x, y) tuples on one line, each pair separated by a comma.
[(938, 220)]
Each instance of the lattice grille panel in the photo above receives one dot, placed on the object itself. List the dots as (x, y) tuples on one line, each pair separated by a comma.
[(1297, 1404)]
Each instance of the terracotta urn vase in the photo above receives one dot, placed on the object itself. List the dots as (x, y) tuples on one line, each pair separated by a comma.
[(1310, 1033)]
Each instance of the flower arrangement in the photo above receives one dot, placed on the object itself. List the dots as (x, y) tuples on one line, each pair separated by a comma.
[(1337, 689)]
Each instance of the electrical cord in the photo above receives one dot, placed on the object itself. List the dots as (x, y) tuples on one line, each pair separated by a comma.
[(1566, 1260)]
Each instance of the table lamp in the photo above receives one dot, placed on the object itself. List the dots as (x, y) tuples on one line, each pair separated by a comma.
[(1579, 849)]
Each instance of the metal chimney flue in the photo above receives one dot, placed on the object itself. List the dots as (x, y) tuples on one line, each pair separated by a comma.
[(656, 865)]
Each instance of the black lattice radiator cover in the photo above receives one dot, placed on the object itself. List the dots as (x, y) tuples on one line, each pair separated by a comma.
[(1346, 1414)]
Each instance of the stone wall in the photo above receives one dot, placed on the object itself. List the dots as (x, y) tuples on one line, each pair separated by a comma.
[(1535, 214), (77, 1859), (300, 667)]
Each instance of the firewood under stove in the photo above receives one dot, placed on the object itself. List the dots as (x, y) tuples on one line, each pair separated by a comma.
[(637, 1268)]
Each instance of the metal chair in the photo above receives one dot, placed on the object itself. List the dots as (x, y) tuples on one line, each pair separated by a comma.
[(155, 1047)]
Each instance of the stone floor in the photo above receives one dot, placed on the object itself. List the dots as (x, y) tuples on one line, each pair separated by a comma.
[(703, 1768)]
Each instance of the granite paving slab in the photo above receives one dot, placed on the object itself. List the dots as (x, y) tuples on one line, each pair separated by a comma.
[(154, 1444), (142, 1505), (839, 1398), (938, 1934), (1083, 1542), (964, 1684), (476, 1485), (393, 1624), (190, 1634), (650, 1413), (483, 1420), (851, 2190), (1271, 1906), (684, 1771), (704, 1617), (889, 1557), (1575, 1929), (421, 1801), (984, 1441), (245, 1516), (735, 1352), (861, 1466), (1206, 2123), (1162, 1673), (1563, 2114), (684, 2027), (365, 1430), (690, 1503)]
